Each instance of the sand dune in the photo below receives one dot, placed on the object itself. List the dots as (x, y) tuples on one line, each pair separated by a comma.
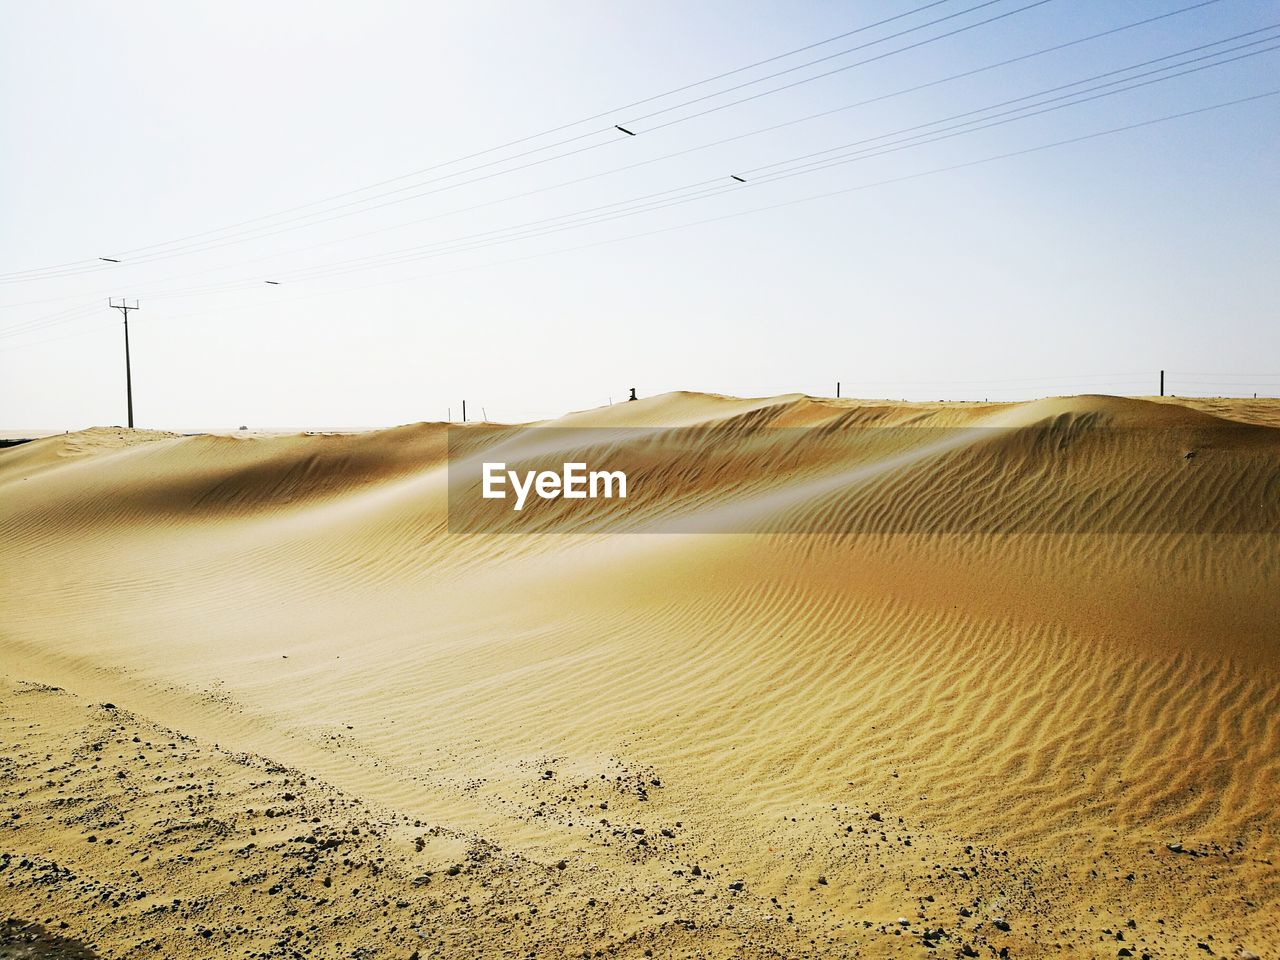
[(895, 692)]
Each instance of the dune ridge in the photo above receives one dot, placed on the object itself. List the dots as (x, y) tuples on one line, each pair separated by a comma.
[(1058, 735)]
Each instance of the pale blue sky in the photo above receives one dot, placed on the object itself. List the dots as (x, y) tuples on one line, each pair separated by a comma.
[(1081, 268)]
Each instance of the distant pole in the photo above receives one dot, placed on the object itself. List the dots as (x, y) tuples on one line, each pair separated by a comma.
[(1162, 383), (123, 307), (837, 389), (464, 411)]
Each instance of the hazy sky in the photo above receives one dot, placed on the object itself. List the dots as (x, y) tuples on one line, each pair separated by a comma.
[(129, 126)]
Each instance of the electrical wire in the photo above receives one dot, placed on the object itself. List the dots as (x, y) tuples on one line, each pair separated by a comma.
[(826, 195), (847, 190), (716, 186), (737, 137), (91, 266)]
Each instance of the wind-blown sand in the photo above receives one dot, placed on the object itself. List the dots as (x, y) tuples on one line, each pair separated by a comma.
[(257, 701)]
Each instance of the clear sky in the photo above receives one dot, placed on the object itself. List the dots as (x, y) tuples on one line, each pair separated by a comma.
[(129, 126)]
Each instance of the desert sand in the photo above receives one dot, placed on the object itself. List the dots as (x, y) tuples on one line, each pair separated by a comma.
[(257, 701)]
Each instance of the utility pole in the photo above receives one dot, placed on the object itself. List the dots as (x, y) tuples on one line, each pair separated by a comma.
[(464, 411), (837, 389), (123, 307), (1162, 383)]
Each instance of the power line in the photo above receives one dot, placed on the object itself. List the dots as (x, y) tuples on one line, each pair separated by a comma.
[(795, 201), (982, 124), (93, 266), (787, 123), (535, 136), (1073, 378), (579, 150), (704, 190), (811, 63), (829, 73), (824, 113), (1251, 376), (404, 199), (599, 116), (49, 320), (1074, 83), (40, 343), (716, 186)]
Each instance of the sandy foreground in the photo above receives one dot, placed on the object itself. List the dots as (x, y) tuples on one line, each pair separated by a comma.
[(257, 701)]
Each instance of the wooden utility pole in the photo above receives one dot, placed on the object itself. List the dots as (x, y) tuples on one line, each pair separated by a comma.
[(123, 307), (837, 389), (464, 411), (1162, 383)]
